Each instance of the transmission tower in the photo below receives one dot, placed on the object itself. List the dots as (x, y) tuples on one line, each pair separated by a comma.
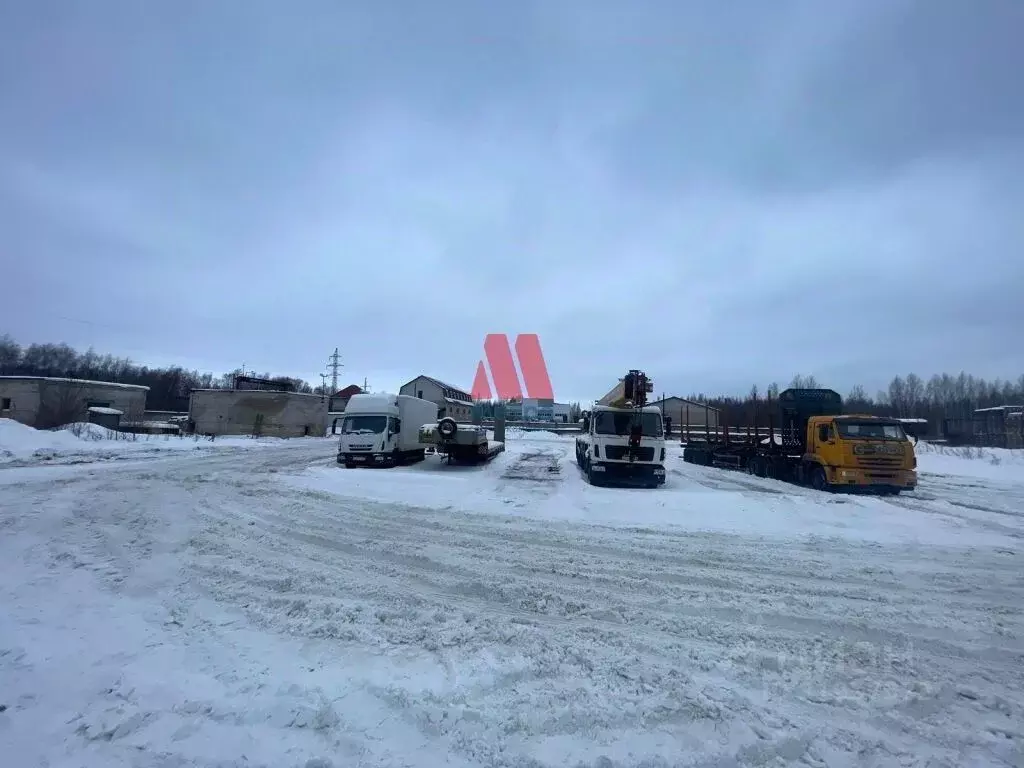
[(335, 364)]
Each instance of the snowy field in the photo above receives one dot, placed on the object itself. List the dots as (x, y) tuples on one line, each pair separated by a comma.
[(228, 606)]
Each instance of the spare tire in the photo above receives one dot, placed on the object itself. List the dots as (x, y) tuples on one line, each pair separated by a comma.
[(447, 427)]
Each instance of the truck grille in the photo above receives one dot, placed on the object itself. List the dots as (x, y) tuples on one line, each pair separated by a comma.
[(618, 453), (879, 462)]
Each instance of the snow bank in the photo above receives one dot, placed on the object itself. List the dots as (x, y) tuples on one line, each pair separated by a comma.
[(518, 433), (969, 461), (84, 430), (82, 441), (20, 442)]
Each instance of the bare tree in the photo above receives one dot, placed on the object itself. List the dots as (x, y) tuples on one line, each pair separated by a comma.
[(60, 403), (804, 382), (10, 354)]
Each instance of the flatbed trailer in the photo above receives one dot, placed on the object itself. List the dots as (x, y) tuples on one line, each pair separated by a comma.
[(461, 443), (764, 452)]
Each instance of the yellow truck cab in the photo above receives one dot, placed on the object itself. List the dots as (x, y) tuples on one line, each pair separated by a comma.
[(859, 452)]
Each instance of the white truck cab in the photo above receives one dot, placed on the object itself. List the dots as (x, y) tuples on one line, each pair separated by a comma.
[(384, 430), (622, 446)]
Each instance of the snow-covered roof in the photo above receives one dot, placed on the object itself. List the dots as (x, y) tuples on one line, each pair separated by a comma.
[(81, 382), (1000, 408), (250, 392), (107, 411)]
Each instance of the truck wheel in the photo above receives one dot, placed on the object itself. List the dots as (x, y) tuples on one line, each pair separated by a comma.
[(819, 481), (447, 427)]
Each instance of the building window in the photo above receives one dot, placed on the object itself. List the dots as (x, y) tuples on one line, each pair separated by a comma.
[(5, 404), (419, 394)]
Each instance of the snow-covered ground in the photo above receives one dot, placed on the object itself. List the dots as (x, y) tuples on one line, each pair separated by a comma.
[(266, 608), (82, 442)]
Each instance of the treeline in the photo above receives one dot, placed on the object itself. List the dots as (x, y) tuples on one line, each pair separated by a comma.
[(942, 396), (168, 387)]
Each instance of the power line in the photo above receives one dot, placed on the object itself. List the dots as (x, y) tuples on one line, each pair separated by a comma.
[(335, 364)]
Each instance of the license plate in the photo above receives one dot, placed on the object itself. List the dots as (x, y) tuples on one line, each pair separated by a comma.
[(358, 458)]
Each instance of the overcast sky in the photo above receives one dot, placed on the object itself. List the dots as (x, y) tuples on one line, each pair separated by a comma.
[(721, 194)]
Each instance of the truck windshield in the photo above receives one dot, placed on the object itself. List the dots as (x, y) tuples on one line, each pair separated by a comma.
[(870, 430), (363, 425), (609, 423)]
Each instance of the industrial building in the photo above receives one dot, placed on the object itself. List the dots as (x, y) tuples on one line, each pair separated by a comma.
[(1001, 426), (683, 411), (45, 402), (451, 401), (679, 409), (253, 408)]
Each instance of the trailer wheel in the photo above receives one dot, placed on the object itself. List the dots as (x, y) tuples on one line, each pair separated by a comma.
[(818, 480), (447, 427)]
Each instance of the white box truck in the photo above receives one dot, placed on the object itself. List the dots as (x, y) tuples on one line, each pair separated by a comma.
[(384, 430)]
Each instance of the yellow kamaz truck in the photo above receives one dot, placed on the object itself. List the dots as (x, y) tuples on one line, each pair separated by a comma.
[(809, 440)]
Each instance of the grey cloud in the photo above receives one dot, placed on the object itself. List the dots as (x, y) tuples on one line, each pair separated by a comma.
[(679, 186)]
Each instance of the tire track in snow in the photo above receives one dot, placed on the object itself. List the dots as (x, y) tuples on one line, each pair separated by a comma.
[(561, 636)]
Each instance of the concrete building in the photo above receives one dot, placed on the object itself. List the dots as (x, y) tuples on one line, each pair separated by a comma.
[(45, 402), (257, 412), (451, 401)]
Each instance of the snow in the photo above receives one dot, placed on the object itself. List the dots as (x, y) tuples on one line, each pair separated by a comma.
[(970, 461), (21, 445), (107, 411), (272, 609)]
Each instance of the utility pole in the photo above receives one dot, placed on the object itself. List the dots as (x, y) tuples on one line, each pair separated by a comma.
[(335, 364), (323, 388), (366, 387)]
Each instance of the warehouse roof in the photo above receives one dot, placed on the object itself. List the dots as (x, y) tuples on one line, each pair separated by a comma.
[(83, 382)]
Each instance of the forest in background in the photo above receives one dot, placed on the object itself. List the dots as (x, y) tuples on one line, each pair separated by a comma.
[(169, 388), (940, 396)]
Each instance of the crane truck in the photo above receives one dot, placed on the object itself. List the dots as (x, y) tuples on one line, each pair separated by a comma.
[(815, 444), (623, 442)]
